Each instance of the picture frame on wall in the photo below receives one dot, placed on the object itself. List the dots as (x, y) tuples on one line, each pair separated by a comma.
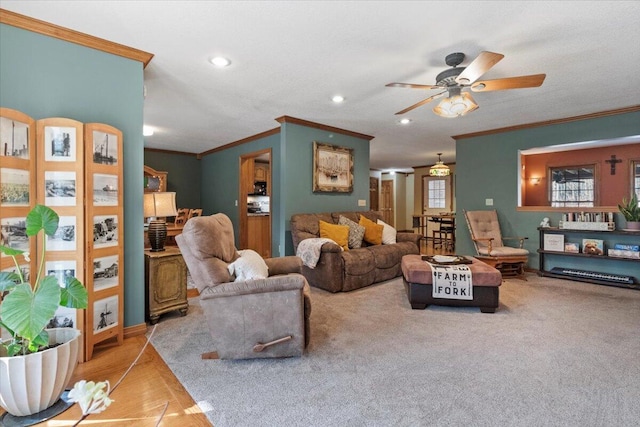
[(332, 168), (59, 144), (105, 148), (14, 187)]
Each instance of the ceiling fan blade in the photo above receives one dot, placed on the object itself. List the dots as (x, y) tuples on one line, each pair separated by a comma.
[(412, 86), (533, 80), (424, 101), (478, 67)]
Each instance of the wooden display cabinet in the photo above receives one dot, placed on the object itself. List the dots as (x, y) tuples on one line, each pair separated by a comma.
[(165, 283)]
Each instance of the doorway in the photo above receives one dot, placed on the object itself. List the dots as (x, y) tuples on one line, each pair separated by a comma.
[(373, 193), (386, 202), (255, 202)]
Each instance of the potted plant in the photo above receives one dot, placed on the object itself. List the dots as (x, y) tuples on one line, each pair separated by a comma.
[(631, 212), (25, 311)]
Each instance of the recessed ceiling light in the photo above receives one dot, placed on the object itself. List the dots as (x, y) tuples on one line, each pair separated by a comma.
[(337, 99), (147, 130), (220, 61), (404, 121)]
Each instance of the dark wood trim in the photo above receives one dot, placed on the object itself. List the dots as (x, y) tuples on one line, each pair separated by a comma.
[(135, 330), (160, 150), (295, 121), (240, 142), (631, 109), (72, 36)]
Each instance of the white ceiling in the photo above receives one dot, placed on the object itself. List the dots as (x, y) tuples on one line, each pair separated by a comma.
[(289, 58)]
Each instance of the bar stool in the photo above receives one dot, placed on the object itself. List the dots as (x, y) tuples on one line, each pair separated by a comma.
[(445, 235)]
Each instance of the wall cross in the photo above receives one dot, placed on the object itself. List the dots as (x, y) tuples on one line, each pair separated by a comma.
[(613, 162)]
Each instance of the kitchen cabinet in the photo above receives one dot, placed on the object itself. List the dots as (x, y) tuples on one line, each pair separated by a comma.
[(261, 173), (259, 234)]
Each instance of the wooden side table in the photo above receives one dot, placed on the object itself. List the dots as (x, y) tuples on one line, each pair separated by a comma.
[(165, 283)]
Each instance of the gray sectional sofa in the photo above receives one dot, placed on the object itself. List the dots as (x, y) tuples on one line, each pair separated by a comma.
[(339, 270)]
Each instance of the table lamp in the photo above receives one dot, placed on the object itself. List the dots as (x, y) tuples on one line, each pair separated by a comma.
[(158, 205)]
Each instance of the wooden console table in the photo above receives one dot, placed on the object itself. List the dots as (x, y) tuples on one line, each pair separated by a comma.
[(165, 283)]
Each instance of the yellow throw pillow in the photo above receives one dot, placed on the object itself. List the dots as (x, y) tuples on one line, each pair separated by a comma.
[(372, 231), (337, 233)]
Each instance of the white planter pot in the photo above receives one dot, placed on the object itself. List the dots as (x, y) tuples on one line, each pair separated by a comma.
[(32, 383)]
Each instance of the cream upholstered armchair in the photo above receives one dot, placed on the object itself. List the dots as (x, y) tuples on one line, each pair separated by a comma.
[(488, 241), (255, 309)]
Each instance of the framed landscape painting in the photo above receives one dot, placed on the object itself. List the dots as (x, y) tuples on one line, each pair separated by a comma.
[(332, 168)]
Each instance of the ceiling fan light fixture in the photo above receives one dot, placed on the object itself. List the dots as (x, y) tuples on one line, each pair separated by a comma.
[(456, 106), (439, 169)]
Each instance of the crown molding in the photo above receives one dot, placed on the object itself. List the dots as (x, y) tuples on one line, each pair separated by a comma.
[(240, 142), (161, 150), (295, 121), (45, 28), (617, 111)]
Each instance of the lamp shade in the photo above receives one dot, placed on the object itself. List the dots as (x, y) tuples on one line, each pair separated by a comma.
[(456, 105), (160, 204), (439, 169)]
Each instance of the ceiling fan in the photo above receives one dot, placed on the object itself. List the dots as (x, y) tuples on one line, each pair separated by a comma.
[(454, 81)]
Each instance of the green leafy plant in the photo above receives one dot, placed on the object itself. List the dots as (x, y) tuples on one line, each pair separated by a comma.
[(27, 307), (630, 210)]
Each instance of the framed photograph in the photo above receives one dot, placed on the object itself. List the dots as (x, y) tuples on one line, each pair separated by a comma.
[(14, 187), (60, 144), (571, 247), (105, 231), (64, 318), (24, 268), (14, 233), (332, 168), (553, 242), (105, 148), (105, 272), (105, 314), (16, 135), (593, 246), (105, 190), (64, 238), (61, 270), (60, 188)]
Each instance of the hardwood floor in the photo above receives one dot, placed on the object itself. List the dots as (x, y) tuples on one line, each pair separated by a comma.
[(141, 397)]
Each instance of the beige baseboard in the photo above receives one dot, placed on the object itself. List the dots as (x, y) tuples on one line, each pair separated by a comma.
[(135, 330)]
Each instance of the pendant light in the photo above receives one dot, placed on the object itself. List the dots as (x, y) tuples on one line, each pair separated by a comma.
[(439, 169)]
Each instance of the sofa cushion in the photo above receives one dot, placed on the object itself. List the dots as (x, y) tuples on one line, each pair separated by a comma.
[(337, 233), (356, 232), (388, 233), (373, 231), (249, 266)]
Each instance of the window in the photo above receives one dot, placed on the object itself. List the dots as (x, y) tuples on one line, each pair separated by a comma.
[(573, 186), (437, 194)]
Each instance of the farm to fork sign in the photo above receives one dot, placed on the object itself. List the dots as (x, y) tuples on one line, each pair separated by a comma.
[(451, 282)]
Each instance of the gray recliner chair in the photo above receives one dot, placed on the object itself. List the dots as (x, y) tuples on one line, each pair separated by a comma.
[(255, 318)]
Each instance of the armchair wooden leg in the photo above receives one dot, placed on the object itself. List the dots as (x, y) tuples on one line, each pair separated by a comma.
[(259, 346)]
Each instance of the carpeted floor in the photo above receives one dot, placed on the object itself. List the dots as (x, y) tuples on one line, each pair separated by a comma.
[(556, 353)]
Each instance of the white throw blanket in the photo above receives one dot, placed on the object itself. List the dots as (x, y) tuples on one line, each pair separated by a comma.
[(451, 281), (309, 250)]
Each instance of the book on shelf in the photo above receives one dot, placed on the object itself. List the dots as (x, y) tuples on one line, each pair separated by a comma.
[(593, 246), (626, 247), (553, 242), (571, 247), (622, 253)]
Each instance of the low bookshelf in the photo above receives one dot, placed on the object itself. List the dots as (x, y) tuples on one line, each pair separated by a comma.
[(595, 266)]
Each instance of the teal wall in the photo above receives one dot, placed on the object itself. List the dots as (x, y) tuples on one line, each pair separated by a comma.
[(46, 77), (291, 179), (220, 187), (296, 180), (183, 175), (487, 167)]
